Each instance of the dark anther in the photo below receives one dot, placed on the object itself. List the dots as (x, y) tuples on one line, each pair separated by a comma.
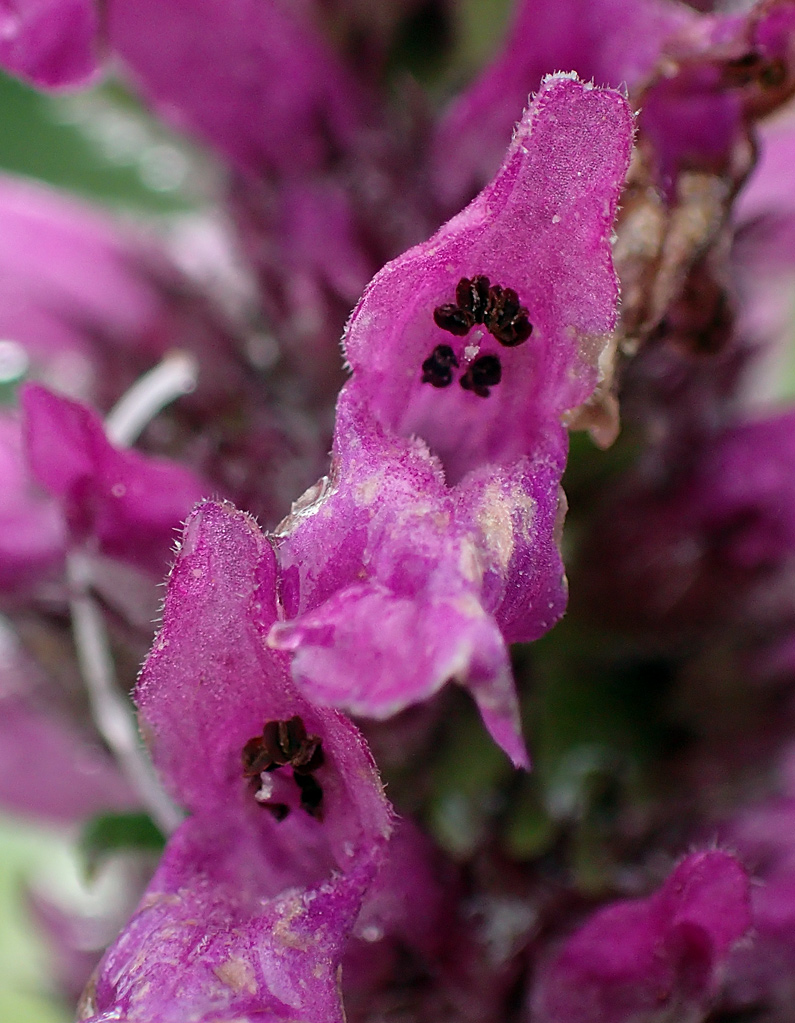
[(507, 318), (438, 367), (753, 67), (255, 758), (282, 742), (452, 319), (484, 373), (286, 743), (473, 296), (476, 301), (311, 795)]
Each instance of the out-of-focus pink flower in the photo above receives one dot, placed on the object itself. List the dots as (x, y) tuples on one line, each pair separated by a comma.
[(127, 503), (698, 76), (653, 959), (762, 973), (613, 42), (712, 548), (32, 530), (52, 43), (49, 768)]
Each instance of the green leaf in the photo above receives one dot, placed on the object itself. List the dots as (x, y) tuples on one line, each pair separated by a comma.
[(99, 144), (119, 832)]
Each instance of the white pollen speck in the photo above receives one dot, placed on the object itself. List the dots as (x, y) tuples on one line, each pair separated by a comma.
[(472, 349), (556, 219), (265, 791)]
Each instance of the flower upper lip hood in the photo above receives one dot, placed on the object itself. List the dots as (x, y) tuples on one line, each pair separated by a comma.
[(434, 543), (267, 903), (541, 227)]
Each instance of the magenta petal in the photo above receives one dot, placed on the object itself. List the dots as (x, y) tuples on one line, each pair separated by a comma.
[(515, 514), (660, 957), (210, 684), (52, 43), (48, 767), (69, 276), (131, 503), (214, 939), (542, 228), (439, 522), (248, 915), (389, 586), (85, 782), (373, 653)]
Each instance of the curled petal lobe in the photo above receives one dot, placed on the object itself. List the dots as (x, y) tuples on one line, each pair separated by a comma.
[(383, 581)]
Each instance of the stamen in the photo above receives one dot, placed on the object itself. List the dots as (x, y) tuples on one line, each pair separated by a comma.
[(283, 744), (506, 319), (453, 319), (473, 296), (483, 374), (437, 369), (477, 301)]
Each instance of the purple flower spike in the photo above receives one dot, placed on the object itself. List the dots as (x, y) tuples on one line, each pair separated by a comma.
[(52, 43), (541, 229), (131, 503), (248, 914), (653, 959)]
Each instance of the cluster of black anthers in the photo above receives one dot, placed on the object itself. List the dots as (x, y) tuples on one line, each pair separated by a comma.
[(283, 744), (500, 312)]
